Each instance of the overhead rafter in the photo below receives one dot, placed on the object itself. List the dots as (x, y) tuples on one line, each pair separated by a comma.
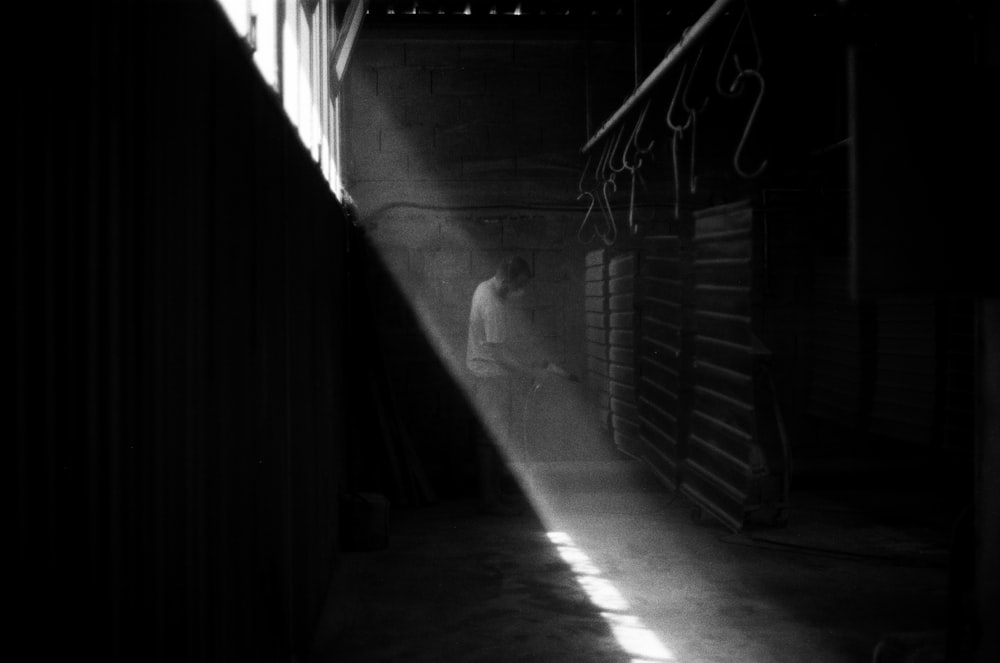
[(676, 54), (346, 38)]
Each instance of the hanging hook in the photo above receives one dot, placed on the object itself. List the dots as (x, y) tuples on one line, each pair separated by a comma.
[(602, 177), (735, 88), (590, 208), (678, 133), (633, 167), (634, 140), (583, 174), (752, 73), (586, 217), (693, 115), (687, 87), (614, 149), (673, 104)]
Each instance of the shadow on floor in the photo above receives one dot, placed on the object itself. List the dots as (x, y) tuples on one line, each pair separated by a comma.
[(458, 586)]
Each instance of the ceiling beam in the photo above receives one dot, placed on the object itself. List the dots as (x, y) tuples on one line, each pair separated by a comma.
[(347, 37)]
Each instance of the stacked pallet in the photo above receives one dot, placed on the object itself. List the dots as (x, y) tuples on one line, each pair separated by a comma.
[(726, 470), (660, 355), (596, 311), (621, 353)]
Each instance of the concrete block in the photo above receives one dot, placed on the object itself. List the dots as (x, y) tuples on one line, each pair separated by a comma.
[(361, 139), (507, 140), (406, 139), (512, 83), (480, 167), (472, 234), (396, 259), (386, 112), (484, 263), (545, 293), (457, 81), (534, 232), (594, 289), (547, 322), (434, 111), (377, 54), (378, 166), (361, 85), (431, 53), (449, 265), (419, 259), (413, 232), (403, 82), (565, 89), (426, 166), (456, 141), (548, 54), (564, 138), (497, 53), (552, 266), (563, 166), (491, 110)]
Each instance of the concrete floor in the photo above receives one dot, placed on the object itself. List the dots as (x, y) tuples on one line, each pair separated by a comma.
[(606, 566)]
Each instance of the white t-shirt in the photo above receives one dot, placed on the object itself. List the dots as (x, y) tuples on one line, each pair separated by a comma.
[(487, 324)]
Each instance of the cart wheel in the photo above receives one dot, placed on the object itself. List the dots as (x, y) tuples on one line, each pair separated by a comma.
[(695, 514)]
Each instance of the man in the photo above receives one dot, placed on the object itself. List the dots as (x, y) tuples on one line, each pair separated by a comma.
[(496, 369)]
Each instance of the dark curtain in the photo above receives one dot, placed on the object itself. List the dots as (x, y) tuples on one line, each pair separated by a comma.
[(178, 363)]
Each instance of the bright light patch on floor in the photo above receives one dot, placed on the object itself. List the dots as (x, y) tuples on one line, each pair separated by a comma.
[(602, 593), (578, 562), (631, 634)]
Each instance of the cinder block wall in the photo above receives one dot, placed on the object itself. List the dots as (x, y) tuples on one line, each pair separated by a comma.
[(457, 154)]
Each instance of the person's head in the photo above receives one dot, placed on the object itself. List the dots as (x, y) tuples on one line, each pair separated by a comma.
[(513, 275)]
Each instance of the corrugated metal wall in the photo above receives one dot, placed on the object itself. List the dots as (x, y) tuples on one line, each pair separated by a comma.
[(179, 369)]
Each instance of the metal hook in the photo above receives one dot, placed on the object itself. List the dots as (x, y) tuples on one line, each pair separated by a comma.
[(746, 130), (693, 116), (582, 193), (634, 140), (735, 88), (677, 128), (586, 217), (614, 148), (677, 175), (687, 87), (601, 163), (601, 181), (609, 237), (583, 173)]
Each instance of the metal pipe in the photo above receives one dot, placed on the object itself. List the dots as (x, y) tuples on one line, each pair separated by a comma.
[(690, 36)]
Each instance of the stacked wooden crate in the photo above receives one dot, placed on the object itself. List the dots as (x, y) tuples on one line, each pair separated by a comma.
[(596, 311), (660, 355), (621, 353), (730, 469)]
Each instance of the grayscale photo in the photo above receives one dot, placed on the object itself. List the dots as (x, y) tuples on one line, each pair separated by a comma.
[(543, 331)]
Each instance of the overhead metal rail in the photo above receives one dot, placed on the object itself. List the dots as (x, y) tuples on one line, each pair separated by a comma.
[(680, 49)]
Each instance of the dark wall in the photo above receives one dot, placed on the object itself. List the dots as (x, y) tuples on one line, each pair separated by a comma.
[(178, 291)]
